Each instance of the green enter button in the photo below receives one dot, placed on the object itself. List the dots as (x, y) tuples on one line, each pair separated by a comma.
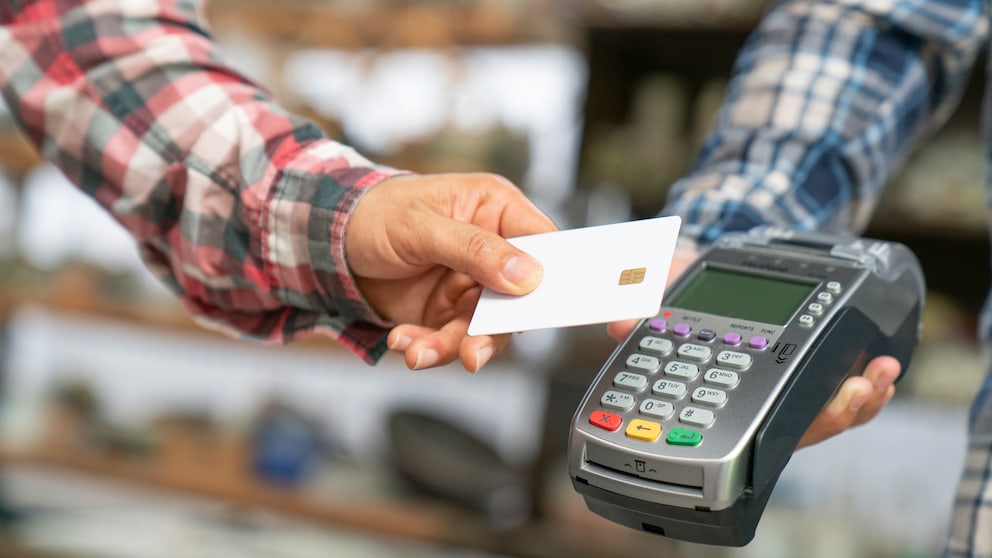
[(683, 437)]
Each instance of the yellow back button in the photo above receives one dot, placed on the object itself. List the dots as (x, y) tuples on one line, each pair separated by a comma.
[(643, 430)]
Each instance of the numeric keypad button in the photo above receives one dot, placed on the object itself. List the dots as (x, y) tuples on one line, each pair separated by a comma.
[(657, 409), (656, 345), (643, 363), (631, 381), (670, 389), (617, 400), (682, 370), (697, 417), (734, 359), (709, 397), (722, 378), (695, 353)]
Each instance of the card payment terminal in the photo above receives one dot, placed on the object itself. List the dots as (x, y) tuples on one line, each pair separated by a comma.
[(687, 426)]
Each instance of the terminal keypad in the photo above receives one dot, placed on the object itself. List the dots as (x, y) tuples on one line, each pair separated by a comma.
[(677, 378)]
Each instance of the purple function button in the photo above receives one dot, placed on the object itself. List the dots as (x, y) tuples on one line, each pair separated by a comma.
[(659, 325), (758, 342), (682, 330), (732, 339)]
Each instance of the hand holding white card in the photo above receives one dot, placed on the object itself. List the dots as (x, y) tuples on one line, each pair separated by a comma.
[(591, 275)]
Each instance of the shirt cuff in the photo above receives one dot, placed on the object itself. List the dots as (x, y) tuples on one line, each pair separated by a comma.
[(712, 204), (303, 232)]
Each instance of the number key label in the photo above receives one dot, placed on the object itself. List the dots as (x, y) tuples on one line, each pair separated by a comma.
[(657, 409), (668, 388), (682, 370), (722, 378), (733, 359), (630, 381), (697, 353), (711, 397), (656, 345), (643, 363)]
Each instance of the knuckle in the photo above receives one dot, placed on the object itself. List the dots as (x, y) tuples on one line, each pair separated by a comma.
[(478, 245), (498, 181)]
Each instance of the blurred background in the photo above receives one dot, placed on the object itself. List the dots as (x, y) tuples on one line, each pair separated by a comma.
[(129, 432)]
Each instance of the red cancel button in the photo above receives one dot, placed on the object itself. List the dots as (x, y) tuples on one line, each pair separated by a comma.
[(605, 420)]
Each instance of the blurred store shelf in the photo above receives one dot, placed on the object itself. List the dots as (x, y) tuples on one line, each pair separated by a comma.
[(389, 25), (393, 522), (701, 14)]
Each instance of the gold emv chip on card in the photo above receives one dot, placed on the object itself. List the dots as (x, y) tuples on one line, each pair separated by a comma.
[(632, 276)]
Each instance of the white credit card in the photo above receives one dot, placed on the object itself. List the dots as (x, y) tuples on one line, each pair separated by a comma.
[(591, 275)]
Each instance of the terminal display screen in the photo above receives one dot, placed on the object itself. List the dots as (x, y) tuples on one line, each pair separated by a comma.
[(745, 296)]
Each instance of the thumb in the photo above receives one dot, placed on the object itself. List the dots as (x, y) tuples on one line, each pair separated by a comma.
[(483, 255)]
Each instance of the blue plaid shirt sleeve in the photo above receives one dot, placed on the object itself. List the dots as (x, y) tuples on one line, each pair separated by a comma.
[(826, 101)]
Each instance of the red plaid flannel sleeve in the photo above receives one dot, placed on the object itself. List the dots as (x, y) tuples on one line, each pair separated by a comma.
[(239, 207)]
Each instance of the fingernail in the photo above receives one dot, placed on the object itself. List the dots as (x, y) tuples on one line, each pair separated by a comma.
[(482, 356), (400, 343), (426, 358), (523, 271)]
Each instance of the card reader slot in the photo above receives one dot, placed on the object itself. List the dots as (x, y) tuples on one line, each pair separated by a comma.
[(679, 477), (603, 471)]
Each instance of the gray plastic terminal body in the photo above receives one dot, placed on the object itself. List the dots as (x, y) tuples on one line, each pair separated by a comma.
[(715, 492)]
